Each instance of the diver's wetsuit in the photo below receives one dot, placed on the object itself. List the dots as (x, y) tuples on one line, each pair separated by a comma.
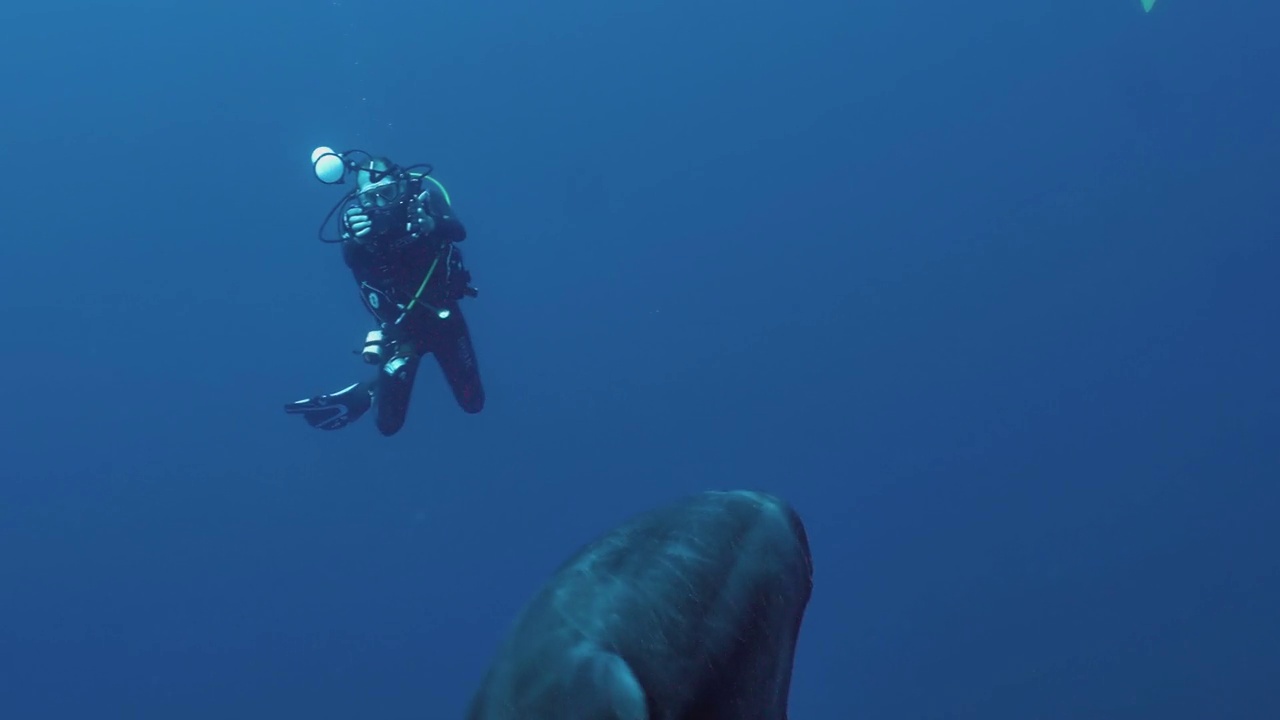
[(389, 274)]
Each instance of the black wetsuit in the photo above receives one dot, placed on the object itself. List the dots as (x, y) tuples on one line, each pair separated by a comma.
[(389, 270)]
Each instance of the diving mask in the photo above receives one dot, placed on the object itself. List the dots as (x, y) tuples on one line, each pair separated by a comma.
[(381, 194)]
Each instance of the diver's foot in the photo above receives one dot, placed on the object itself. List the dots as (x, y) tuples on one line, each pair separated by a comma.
[(333, 411)]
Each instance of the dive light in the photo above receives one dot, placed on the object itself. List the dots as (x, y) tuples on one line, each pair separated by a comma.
[(328, 165)]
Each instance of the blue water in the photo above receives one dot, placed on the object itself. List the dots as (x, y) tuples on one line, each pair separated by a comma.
[(986, 290)]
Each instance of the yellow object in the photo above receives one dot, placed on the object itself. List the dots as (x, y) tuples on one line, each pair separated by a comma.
[(1148, 4)]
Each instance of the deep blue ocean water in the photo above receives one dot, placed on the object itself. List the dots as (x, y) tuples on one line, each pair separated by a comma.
[(986, 290)]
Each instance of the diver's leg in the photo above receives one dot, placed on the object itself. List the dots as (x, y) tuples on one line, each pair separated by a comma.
[(457, 359), (392, 391)]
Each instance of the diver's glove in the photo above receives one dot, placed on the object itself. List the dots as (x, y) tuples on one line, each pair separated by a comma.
[(420, 222), (357, 223), (333, 411)]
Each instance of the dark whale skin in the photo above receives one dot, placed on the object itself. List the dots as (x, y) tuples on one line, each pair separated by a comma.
[(687, 612)]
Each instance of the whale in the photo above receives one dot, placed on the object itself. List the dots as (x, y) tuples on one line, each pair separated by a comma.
[(689, 611)]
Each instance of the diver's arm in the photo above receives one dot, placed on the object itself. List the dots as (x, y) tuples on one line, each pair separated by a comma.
[(448, 228), (356, 258), (348, 254)]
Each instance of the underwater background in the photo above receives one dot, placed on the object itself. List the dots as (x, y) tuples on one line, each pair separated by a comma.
[(986, 290)]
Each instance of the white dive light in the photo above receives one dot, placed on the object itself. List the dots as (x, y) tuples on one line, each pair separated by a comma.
[(374, 347), (327, 164)]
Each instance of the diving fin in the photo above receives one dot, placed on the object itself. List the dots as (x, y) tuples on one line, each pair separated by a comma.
[(333, 411)]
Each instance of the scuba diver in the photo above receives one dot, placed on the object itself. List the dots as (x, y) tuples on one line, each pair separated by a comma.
[(398, 237)]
